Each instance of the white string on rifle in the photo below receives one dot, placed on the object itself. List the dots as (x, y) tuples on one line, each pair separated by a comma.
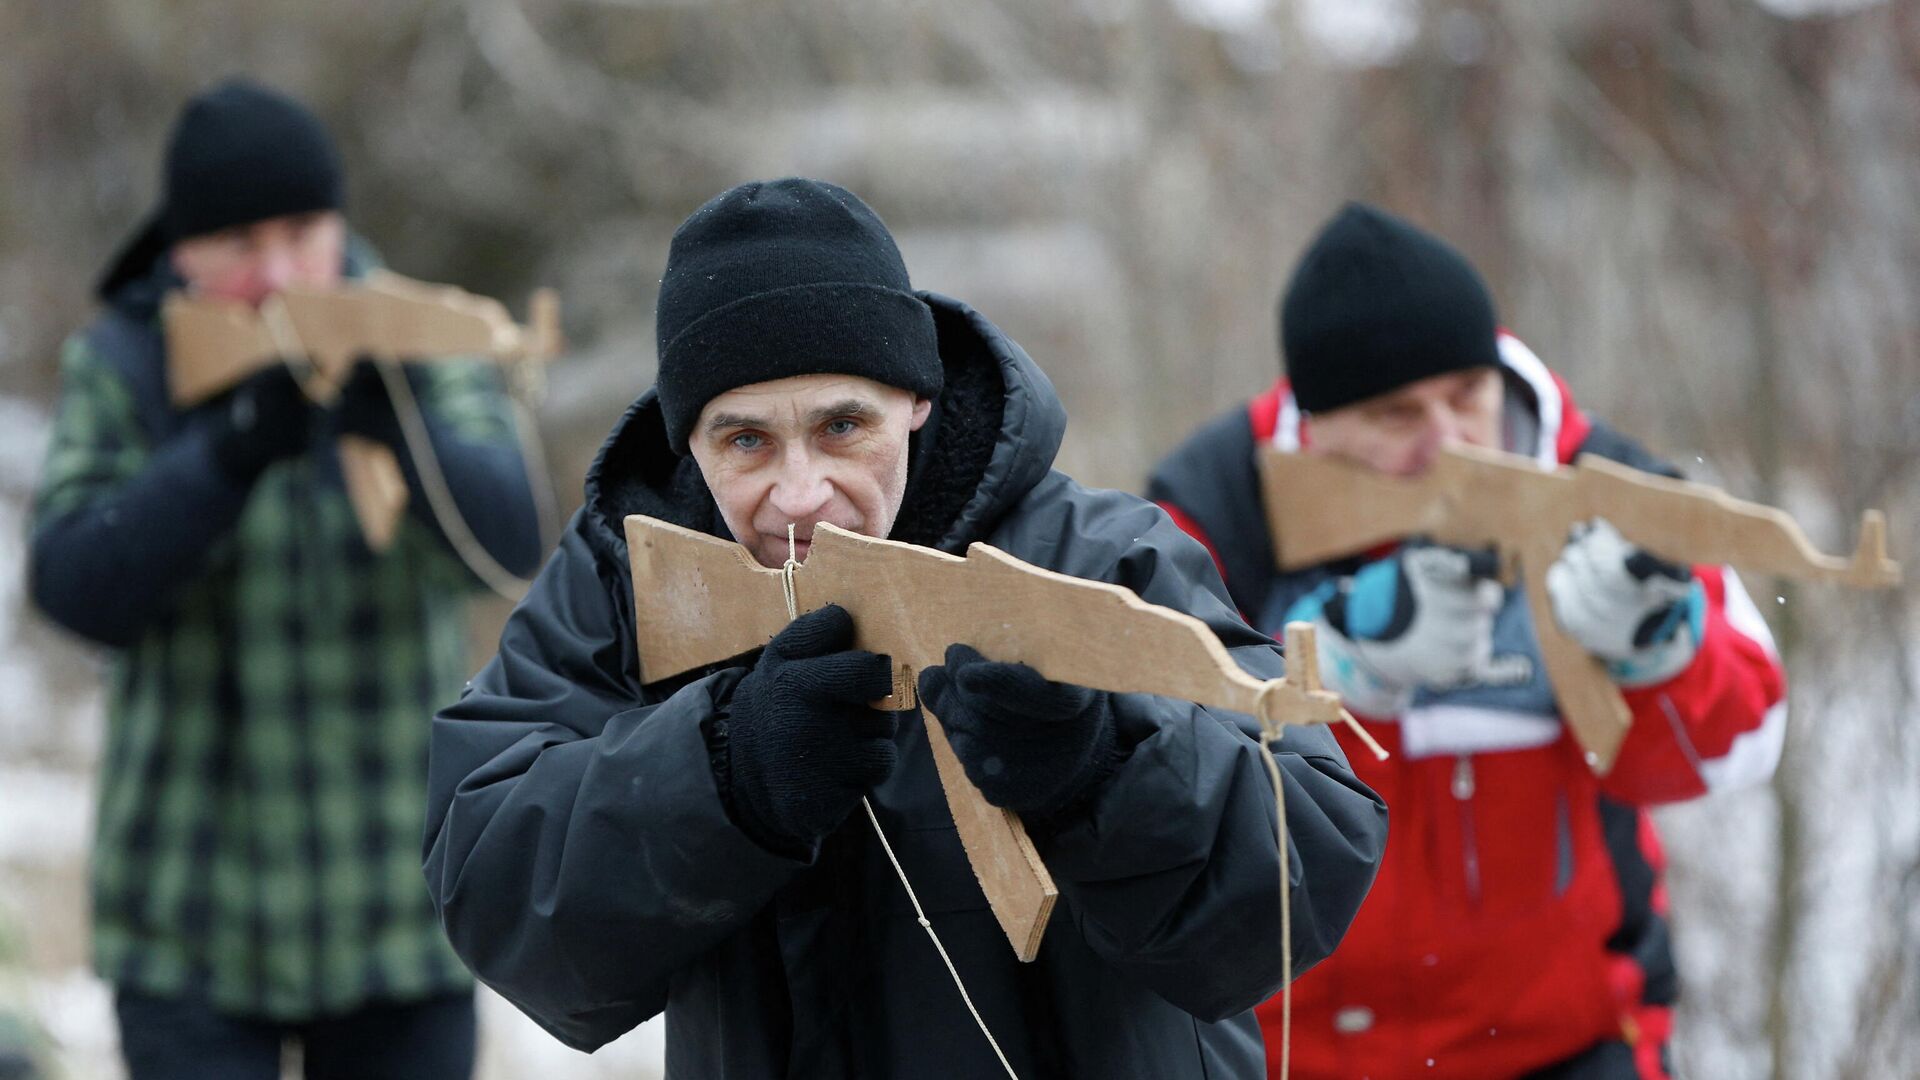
[(786, 577), (523, 393), (413, 432), (1286, 909), (446, 512), (286, 342), (793, 612)]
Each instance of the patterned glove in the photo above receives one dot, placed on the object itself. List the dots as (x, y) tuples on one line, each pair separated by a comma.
[(1031, 746), (802, 744), (1421, 617), (1640, 613)]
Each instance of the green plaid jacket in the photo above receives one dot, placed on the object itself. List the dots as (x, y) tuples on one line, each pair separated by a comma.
[(264, 775)]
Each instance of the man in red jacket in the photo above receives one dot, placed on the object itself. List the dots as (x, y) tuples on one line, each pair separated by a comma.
[(1517, 927)]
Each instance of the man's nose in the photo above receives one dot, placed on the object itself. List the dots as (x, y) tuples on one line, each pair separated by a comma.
[(275, 269), (1439, 429), (802, 488)]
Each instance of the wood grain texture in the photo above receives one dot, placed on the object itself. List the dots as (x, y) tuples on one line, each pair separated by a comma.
[(376, 489), (214, 344), (1320, 508), (699, 600), (1016, 882)]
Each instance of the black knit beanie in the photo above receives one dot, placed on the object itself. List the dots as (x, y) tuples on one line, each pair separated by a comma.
[(1377, 303), (780, 278), (239, 153), (242, 153)]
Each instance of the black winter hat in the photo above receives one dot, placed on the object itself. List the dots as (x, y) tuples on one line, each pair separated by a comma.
[(241, 153), (1377, 303), (778, 278), (238, 153)]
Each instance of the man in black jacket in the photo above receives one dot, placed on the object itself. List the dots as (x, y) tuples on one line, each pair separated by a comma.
[(603, 848)]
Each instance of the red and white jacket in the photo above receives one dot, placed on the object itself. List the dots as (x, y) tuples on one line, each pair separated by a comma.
[(1519, 917)]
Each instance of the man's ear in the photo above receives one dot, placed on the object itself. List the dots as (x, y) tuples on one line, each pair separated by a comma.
[(184, 267), (173, 263), (1308, 444), (922, 408)]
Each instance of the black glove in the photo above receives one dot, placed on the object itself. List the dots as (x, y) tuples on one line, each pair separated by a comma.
[(1031, 746), (259, 422), (802, 744), (363, 407)]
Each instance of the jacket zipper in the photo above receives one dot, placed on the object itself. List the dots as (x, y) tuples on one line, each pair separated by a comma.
[(1463, 787)]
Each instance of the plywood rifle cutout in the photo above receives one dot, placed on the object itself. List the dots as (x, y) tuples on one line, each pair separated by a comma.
[(1320, 508), (214, 344), (700, 600)]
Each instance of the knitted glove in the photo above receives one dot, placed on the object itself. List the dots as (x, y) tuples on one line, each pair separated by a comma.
[(1640, 613), (802, 745), (262, 420), (1031, 746), (1421, 617)]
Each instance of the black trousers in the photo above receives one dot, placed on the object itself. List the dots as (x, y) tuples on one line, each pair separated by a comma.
[(185, 1038)]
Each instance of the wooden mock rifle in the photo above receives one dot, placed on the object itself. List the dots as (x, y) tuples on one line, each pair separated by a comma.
[(214, 344), (1320, 508), (700, 600)]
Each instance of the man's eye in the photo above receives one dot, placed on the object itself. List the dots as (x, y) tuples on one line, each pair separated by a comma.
[(746, 440), (842, 426)]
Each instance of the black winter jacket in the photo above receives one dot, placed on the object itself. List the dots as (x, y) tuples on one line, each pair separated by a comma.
[(585, 864)]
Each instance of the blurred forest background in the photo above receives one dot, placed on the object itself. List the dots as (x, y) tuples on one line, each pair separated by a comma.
[(1704, 213)]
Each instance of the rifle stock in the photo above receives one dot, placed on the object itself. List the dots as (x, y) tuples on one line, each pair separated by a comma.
[(214, 344), (699, 600), (1702, 524), (1320, 508)]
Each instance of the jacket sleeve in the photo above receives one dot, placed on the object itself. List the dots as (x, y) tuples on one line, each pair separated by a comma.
[(1720, 723), (474, 435), (577, 848), (1172, 868), (1210, 486), (119, 523)]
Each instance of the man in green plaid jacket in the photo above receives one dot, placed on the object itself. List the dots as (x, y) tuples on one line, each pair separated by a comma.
[(256, 866)]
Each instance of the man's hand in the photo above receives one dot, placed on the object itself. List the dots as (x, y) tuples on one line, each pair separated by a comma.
[(802, 744), (1031, 746), (1635, 610), (364, 408), (1421, 617), (262, 420)]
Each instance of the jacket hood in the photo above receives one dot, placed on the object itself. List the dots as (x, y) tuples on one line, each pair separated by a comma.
[(1541, 419), (993, 435), (135, 260)]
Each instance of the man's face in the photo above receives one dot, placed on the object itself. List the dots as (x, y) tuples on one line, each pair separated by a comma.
[(1400, 433), (805, 449), (249, 263)]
